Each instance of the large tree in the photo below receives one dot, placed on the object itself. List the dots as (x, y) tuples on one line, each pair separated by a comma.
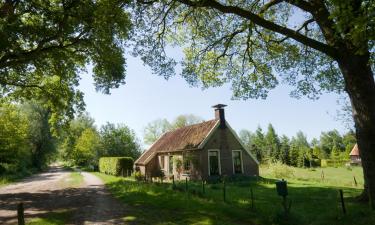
[(43, 143), (272, 142), (45, 45), (314, 45), (156, 128), (118, 140)]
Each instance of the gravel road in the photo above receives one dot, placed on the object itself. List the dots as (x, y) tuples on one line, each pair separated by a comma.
[(87, 203)]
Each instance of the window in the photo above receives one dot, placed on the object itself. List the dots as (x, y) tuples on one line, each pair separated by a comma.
[(213, 162), (162, 162), (187, 165), (170, 164), (237, 161)]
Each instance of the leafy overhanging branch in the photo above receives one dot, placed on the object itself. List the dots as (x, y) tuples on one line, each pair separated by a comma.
[(258, 20)]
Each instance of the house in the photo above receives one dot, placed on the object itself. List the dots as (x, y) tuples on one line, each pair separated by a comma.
[(200, 151), (355, 158)]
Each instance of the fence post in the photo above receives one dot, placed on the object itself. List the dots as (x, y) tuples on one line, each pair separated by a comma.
[(342, 201), (203, 190), (224, 194), (186, 184), (20, 214), (173, 184)]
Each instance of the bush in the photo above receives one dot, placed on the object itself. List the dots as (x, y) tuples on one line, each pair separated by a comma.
[(138, 176), (279, 170), (115, 165), (333, 163)]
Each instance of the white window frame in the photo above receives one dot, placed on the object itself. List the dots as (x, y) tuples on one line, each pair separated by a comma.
[(242, 171), (208, 160), (168, 165), (160, 161)]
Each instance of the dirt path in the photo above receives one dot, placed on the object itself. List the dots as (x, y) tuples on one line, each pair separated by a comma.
[(89, 203)]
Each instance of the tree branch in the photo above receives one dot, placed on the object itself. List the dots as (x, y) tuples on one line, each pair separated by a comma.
[(256, 19), (268, 5)]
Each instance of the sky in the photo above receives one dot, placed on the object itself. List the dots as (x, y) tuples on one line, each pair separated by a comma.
[(146, 97)]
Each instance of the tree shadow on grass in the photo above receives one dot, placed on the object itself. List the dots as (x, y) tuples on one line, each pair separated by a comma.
[(159, 204)]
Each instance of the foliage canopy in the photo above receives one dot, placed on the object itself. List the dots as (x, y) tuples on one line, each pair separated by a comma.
[(45, 45)]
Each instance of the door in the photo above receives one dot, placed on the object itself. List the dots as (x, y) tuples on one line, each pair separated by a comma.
[(214, 162)]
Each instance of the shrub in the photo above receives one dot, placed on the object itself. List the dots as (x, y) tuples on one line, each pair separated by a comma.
[(333, 163), (115, 165), (279, 170), (138, 176)]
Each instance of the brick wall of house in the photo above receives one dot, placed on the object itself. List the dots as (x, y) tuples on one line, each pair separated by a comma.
[(225, 141)]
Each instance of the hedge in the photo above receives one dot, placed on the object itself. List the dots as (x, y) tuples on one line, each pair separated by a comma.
[(333, 163), (115, 165)]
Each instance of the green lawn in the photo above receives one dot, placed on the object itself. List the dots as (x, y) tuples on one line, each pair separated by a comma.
[(314, 201)]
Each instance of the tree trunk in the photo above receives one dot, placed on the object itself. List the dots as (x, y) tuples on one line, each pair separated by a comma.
[(360, 85)]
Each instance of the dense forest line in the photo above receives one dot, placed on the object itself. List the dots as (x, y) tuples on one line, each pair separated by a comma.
[(269, 147)]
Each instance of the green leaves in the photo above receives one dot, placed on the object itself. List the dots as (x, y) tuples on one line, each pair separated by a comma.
[(86, 148), (118, 140), (156, 128), (230, 43), (45, 46)]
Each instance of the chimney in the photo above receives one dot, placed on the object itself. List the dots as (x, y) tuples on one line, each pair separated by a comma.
[(219, 114)]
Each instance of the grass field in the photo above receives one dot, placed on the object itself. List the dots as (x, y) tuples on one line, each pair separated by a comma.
[(314, 201)]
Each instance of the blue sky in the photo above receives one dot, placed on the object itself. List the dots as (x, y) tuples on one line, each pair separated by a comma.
[(146, 97)]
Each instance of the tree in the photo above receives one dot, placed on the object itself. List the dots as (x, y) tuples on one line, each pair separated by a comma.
[(71, 133), (85, 152), (294, 152), (14, 147), (246, 138), (118, 140), (335, 153), (45, 45), (301, 140), (155, 129), (186, 120), (272, 144), (330, 139), (284, 150), (244, 43), (258, 144), (43, 143)]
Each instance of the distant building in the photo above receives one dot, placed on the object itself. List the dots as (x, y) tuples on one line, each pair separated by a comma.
[(200, 151), (355, 158)]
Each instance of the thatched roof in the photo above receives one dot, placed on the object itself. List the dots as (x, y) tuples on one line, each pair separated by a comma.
[(355, 151), (189, 137)]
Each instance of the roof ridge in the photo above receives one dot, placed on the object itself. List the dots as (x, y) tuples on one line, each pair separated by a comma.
[(189, 126)]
